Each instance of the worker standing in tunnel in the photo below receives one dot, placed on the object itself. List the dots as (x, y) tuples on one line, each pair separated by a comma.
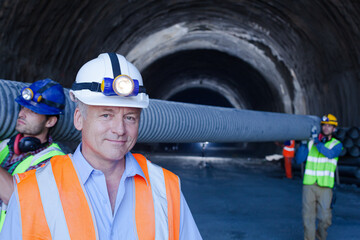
[(41, 103), (289, 154), (321, 154), (102, 191)]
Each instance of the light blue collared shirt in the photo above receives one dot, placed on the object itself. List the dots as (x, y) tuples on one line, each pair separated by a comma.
[(121, 225)]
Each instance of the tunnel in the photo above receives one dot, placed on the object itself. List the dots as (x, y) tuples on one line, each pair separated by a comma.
[(297, 57), (280, 56), (211, 77)]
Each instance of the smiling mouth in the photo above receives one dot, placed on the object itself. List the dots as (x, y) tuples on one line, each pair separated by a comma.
[(117, 141)]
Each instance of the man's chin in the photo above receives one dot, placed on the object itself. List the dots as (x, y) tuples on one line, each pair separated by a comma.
[(115, 155), (19, 129)]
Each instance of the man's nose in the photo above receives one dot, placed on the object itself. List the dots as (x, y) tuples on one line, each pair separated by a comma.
[(22, 112), (119, 126)]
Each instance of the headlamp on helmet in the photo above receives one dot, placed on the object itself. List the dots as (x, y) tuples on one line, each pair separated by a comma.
[(122, 85), (28, 94), (329, 119), (43, 97)]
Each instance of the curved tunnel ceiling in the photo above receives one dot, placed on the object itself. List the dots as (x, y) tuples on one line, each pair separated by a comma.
[(297, 57)]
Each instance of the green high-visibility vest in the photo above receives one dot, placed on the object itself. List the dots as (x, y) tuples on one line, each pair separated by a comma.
[(4, 150), (320, 169), (29, 161)]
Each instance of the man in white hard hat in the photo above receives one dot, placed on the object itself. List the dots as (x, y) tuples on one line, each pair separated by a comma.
[(102, 191)]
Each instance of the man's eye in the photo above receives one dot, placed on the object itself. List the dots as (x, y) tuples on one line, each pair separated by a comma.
[(130, 118), (105, 115)]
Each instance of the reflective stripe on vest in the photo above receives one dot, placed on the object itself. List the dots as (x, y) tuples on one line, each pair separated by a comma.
[(33, 160), (42, 215), (165, 193), (58, 220), (289, 151), (319, 168), (4, 150), (2, 214)]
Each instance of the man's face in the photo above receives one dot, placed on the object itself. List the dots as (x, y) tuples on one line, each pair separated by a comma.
[(30, 123), (327, 129), (108, 133)]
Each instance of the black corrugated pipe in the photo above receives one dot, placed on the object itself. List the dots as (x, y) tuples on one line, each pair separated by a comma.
[(166, 121)]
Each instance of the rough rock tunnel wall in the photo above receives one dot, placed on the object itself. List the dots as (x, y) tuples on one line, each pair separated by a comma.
[(299, 57)]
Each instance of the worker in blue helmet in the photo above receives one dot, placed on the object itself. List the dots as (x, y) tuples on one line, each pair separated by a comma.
[(44, 97), (41, 104)]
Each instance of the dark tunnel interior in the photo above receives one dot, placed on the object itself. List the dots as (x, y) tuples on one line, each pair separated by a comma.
[(214, 78), (199, 76), (201, 96)]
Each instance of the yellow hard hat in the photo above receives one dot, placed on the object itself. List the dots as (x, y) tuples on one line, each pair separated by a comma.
[(329, 119)]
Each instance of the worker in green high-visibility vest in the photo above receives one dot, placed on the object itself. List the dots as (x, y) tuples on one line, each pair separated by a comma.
[(321, 154), (41, 104)]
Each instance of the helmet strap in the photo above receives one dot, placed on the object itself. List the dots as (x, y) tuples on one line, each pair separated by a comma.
[(47, 86), (115, 64), (48, 102), (52, 104), (95, 86)]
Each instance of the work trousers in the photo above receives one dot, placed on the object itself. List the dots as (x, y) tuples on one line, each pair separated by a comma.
[(316, 202), (287, 165)]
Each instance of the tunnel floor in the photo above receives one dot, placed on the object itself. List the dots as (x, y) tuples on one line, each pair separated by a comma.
[(247, 199)]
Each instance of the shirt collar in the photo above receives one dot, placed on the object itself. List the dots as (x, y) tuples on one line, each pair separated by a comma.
[(84, 169)]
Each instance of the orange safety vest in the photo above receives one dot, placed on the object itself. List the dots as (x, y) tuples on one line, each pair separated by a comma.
[(68, 215), (289, 151)]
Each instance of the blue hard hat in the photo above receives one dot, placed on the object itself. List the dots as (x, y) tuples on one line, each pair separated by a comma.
[(44, 97)]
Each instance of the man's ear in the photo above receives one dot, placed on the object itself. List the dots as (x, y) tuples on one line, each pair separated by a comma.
[(78, 119), (334, 129), (51, 121)]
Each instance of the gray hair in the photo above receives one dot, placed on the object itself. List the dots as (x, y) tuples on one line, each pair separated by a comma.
[(80, 105)]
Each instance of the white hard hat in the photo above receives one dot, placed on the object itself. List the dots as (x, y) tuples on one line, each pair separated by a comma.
[(89, 83)]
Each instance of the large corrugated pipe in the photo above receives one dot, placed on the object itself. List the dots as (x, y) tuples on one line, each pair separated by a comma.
[(182, 122), (166, 121)]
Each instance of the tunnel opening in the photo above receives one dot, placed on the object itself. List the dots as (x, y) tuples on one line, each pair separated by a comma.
[(211, 77), (233, 78), (201, 96)]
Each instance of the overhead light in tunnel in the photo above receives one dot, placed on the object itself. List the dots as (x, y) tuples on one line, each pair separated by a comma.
[(204, 144)]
